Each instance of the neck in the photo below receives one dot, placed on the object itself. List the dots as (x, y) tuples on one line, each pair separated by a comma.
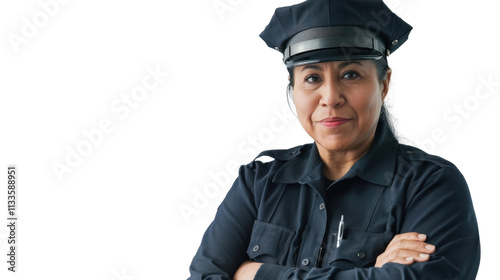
[(337, 163)]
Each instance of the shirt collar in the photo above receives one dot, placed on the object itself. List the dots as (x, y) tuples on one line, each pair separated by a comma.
[(376, 166)]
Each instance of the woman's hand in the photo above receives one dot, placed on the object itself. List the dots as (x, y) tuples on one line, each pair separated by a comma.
[(406, 248), (247, 271)]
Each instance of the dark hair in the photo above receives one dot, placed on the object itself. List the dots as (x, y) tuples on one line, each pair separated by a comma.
[(382, 68)]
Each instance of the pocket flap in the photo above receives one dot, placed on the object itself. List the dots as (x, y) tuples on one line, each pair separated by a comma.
[(269, 242)]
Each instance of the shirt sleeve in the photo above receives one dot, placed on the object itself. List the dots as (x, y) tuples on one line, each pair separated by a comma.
[(440, 207), (224, 244)]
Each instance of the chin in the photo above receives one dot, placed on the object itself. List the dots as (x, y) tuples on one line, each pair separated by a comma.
[(333, 144)]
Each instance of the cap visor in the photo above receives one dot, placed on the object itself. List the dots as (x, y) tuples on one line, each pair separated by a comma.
[(336, 54)]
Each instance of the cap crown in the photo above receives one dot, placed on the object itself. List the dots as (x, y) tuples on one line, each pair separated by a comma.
[(372, 15)]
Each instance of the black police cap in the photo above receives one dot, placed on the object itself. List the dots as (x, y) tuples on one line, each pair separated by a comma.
[(328, 30)]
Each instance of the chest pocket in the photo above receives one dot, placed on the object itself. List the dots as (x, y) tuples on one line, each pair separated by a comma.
[(269, 243), (358, 249)]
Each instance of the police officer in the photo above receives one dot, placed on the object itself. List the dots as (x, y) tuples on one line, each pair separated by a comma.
[(355, 204)]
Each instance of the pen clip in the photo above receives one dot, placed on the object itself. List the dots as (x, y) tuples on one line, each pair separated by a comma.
[(340, 234)]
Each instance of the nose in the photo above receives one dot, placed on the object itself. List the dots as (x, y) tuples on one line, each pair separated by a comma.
[(331, 94)]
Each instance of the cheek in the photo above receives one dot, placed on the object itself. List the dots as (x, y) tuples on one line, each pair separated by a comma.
[(371, 103), (305, 107), (369, 108)]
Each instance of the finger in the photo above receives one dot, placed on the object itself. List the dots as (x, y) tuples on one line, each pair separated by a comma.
[(422, 258), (410, 236), (415, 257), (417, 246), (419, 258), (411, 245), (400, 260), (406, 261), (406, 257)]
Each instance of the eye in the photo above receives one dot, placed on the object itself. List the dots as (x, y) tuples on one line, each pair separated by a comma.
[(312, 79), (350, 75)]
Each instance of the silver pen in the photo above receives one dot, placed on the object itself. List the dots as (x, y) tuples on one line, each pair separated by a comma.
[(341, 231)]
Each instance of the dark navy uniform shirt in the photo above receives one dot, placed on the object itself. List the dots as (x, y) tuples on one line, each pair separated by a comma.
[(286, 214)]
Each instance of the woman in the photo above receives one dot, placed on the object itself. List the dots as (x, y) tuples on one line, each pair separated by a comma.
[(355, 204)]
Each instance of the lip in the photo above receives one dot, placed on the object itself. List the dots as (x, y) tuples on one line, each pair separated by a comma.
[(333, 122)]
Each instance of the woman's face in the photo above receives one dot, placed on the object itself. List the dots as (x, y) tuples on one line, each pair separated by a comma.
[(338, 103)]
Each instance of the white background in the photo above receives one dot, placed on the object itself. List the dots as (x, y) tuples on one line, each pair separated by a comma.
[(116, 213)]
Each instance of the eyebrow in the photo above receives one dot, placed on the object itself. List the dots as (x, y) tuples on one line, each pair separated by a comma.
[(341, 65), (312, 66)]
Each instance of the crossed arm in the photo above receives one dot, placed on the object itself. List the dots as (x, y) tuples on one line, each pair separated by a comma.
[(441, 209), (406, 248)]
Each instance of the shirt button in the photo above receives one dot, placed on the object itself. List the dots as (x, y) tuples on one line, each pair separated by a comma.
[(361, 255), (322, 206), (409, 152), (305, 262), (255, 248)]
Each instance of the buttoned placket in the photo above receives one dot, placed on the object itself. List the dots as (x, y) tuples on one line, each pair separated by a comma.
[(319, 218)]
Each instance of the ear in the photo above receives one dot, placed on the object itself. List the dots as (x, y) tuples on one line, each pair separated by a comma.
[(385, 84)]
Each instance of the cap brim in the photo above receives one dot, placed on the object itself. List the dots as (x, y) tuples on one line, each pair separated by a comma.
[(335, 54)]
